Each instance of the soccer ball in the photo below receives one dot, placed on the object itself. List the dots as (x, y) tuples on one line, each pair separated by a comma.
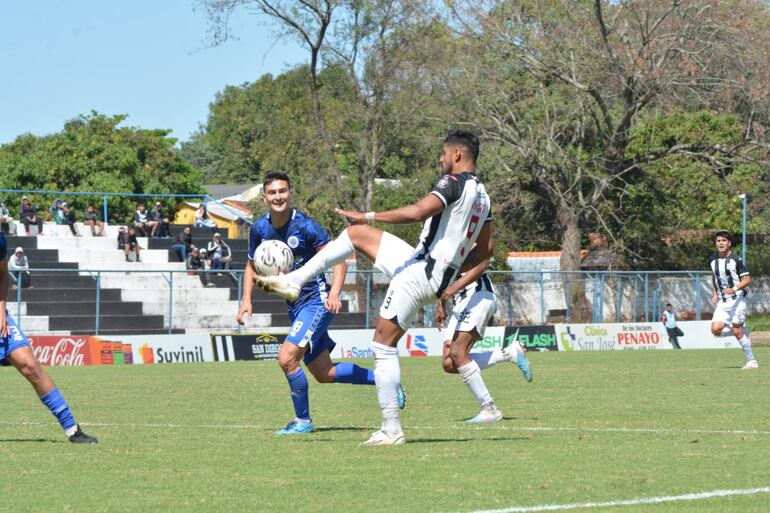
[(272, 257)]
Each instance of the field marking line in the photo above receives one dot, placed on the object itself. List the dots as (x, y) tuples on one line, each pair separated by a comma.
[(493, 427), (697, 496)]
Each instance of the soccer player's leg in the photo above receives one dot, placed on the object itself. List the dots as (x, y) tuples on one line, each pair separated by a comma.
[(291, 353), (17, 351), (737, 320), (321, 366), (459, 353)]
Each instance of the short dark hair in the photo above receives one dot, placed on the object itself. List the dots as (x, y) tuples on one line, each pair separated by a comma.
[(464, 138), (725, 234), (668, 304), (272, 176)]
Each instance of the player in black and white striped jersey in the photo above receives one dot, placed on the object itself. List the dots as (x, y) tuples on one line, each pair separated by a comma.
[(474, 303), (730, 277)]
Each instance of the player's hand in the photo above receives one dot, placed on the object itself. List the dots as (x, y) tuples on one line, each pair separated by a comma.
[(3, 324), (714, 299), (333, 303), (353, 216), (440, 315), (244, 310), (729, 291)]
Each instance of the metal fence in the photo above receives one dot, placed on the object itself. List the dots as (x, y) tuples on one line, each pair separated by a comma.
[(523, 297)]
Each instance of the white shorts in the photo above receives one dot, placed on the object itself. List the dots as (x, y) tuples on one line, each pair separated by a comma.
[(472, 313), (392, 255), (409, 290), (730, 312)]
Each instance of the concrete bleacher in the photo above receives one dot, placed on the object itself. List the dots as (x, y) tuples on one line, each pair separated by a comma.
[(134, 303)]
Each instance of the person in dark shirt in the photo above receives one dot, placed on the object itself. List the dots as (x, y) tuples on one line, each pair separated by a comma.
[(29, 215), (161, 227), (68, 218), (183, 244), (91, 218), (128, 242)]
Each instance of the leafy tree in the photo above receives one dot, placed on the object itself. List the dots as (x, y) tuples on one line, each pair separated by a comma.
[(93, 153)]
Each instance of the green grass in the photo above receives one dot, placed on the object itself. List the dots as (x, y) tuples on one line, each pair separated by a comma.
[(198, 438), (758, 322)]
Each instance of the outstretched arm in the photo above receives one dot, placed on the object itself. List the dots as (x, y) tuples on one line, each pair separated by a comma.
[(429, 206)]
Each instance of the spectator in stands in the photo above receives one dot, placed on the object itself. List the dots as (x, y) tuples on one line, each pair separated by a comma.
[(91, 218), (128, 242), (220, 253), (6, 221), (141, 222), (196, 263), (68, 218), (183, 244), (29, 216), (57, 211), (161, 227), (202, 218), (18, 263)]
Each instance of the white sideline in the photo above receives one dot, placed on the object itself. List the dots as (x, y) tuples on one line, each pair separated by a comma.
[(458, 426), (629, 502)]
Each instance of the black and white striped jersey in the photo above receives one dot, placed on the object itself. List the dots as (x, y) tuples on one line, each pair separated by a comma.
[(483, 283), (447, 238), (726, 273)]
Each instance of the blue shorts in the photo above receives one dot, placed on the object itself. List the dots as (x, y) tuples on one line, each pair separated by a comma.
[(15, 339), (309, 325)]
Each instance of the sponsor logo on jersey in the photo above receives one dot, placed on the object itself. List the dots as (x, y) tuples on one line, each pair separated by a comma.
[(293, 242), (443, 182)]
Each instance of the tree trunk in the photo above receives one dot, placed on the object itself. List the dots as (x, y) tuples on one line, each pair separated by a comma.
[(574, 284)]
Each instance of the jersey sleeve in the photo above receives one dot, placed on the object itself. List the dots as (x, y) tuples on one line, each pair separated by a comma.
[(255, 239), (448, 188), (741, 268), (315, 234)]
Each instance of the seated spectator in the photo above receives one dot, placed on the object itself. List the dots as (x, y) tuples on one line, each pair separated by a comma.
[(220, 253), (57, 211), (183, 244), (68, 218), (141, 222), (91, 218), (128, 242), (29, 216), (18, 266), (202, 218), (162, 223), (6, 221), (196, 263)]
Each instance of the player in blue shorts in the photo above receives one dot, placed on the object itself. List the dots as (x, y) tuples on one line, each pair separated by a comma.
[(314, 309), (16, 350)]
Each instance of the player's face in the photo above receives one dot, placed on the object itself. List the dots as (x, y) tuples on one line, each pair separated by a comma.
[(723, 244), (276, 196)]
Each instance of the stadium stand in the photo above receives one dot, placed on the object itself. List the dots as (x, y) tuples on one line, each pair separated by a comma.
[(134, 303)]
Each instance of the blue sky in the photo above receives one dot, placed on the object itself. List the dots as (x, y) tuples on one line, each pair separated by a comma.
[(143, 58)]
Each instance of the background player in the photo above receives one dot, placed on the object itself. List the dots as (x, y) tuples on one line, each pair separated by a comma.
[(730, 277), (454, 212), (311, 312), (474, 305), (16, 350)]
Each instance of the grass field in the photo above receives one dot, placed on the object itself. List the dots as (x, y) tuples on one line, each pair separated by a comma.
[(592, 427)]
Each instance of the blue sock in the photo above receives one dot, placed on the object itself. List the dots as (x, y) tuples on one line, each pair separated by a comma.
[(58, 406), (351, 373), (299, 394)]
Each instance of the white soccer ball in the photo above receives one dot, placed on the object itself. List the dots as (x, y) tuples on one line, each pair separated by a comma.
[(272, 257)]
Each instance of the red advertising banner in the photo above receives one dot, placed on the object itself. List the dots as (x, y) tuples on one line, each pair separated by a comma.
[(75, 350)]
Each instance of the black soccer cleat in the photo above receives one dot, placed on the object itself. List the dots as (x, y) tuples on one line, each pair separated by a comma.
[(79, 437)]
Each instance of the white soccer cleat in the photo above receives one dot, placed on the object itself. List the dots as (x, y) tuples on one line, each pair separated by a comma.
[(486, 415), (382, 438), (280, 285), (751, 364), (516, 354)]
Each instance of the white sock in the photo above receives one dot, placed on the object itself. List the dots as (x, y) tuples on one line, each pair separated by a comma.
[(387, 378), (471, 375), (487, 358), (746, 347), (726, 331), (335, 252)]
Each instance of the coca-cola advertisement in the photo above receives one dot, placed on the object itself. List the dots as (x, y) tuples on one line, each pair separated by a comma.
[(62, 350)]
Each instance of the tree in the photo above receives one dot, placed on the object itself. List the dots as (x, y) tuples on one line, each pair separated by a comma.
[(559, 87), (93, 153)]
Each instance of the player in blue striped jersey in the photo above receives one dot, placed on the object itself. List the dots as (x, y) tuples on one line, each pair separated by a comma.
[(15, 350), (312, 312)]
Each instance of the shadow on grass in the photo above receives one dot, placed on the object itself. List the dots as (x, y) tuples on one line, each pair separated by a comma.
[(31, 440), (342, 428)]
